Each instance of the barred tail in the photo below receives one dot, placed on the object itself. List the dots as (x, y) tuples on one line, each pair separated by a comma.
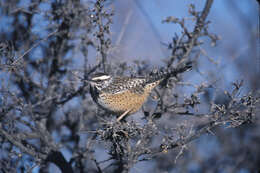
[(163, 75)]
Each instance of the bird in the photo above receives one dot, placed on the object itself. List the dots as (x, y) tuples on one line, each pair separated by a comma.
[(124, 95)]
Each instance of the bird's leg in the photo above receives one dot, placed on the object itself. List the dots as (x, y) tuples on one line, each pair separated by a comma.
[(123, 115)]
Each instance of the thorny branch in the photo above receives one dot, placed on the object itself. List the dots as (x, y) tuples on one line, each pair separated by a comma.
[(187, 46), (101, 17), (231, 116)]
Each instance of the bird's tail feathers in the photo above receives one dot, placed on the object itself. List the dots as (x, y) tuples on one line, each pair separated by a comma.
[(165, 74)]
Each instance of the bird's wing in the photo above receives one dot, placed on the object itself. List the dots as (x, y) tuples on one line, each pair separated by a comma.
[(121, 84)]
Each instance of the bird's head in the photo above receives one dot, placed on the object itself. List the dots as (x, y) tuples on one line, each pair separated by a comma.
[(100, 80)]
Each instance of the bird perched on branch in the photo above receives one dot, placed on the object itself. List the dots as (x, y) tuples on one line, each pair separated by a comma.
[(124, 95)]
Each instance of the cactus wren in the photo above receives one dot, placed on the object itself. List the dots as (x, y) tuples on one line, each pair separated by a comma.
[(125, 95)]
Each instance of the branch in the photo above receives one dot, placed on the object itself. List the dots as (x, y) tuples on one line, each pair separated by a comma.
[(18, 144), (198, 27), (58, 159), (196, 32), (31, 48), (54, 156), (232, 116)]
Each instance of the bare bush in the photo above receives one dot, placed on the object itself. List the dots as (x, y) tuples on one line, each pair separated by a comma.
[(47, 114)]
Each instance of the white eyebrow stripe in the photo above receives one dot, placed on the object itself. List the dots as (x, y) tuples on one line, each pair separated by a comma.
[(104, 77)]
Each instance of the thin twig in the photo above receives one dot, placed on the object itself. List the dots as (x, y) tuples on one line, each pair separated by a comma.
[(35, 45)]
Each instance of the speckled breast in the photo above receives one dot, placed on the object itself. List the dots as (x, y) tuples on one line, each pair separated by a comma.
[(124, 101)]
